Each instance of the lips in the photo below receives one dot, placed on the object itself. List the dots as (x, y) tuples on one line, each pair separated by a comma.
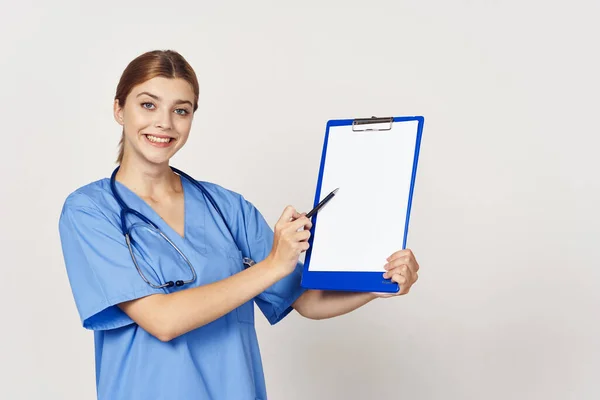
[(159, 140)]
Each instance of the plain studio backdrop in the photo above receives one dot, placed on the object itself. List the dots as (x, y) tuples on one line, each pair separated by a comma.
[(504, 224)]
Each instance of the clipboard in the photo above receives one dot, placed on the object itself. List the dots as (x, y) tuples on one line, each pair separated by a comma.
[(373, 161)]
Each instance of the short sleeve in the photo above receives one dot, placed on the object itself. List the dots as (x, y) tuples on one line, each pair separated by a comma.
[(99, 267), (276, 302)]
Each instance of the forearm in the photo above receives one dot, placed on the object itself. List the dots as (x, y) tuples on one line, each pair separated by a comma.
[(167, 316), (317, 304)]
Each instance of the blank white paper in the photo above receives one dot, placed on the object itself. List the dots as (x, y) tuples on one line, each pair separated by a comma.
[(365, 222)]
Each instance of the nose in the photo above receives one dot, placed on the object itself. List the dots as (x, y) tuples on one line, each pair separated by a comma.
[(163, 120)]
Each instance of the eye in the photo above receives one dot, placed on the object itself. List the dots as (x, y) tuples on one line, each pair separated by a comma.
[(182, 111), (147, 106)]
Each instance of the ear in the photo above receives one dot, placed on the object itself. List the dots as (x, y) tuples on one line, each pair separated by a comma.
[(118, 112)]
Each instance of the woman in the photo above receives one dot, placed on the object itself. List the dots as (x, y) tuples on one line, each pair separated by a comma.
[(172, 325)]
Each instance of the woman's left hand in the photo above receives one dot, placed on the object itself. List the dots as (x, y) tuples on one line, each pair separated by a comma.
[(402, 268)]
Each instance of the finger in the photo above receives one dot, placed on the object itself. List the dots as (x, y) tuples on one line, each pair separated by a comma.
[(301, 222), (408, 260), (402, 283), (309, 225), (302, 236), (415, 266), (306, 226), (304, 246), (412, 264), (400, 253), (399, 279), (287, 214), (297, 215), (396, 263), (401, 270)]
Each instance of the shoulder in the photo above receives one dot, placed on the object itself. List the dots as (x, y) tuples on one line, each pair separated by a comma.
[(231, 203), (90, 209), (223, 194), (94, 195)]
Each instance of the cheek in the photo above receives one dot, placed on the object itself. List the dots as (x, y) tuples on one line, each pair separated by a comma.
[(136, 121), (183, 126)]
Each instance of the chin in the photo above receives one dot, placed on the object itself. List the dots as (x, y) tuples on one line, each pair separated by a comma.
[(153, 157), (157, 159)]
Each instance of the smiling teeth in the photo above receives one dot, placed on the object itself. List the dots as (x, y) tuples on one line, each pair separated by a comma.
[(158, 140)]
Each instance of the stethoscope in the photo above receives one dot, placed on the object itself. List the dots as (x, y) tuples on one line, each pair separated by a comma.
[(248, 262)]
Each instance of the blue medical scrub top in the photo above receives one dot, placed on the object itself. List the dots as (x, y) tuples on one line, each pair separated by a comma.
[(220, 360)]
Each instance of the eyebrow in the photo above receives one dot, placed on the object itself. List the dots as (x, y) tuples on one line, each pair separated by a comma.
[(155, 97)]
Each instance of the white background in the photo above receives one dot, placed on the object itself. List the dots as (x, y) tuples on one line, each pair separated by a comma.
[(505, 220)]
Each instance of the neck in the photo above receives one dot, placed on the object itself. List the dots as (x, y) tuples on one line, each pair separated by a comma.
[(148, 180)]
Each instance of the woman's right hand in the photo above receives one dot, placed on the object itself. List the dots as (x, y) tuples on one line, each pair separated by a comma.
[(289, 241)]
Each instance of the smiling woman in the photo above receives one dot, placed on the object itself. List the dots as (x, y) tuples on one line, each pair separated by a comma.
[(140, 81), (166, 269)]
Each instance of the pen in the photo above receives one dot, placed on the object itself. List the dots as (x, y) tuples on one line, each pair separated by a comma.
[(322, 203)]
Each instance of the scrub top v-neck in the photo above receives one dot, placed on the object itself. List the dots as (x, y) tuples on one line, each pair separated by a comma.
[(220, 360)]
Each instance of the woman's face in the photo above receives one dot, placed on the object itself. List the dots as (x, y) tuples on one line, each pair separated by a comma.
[(156, 119)]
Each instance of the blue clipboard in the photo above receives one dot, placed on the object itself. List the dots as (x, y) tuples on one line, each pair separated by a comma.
[(353, 149)]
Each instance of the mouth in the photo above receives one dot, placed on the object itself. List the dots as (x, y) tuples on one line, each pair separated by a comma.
[(159, 140)]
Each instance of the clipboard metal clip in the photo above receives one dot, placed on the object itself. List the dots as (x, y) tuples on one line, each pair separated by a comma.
[(372, 124)]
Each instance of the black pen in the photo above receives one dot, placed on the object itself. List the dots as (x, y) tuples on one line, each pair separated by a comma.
[(321, 204)]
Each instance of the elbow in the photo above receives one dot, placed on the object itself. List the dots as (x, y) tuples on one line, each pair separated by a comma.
[(304, 311), (154, 316), (309, 305), (314, 314), (164, 337), (300, 308), (159, 326), (163, 330), (307, 310), (158, 329)]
